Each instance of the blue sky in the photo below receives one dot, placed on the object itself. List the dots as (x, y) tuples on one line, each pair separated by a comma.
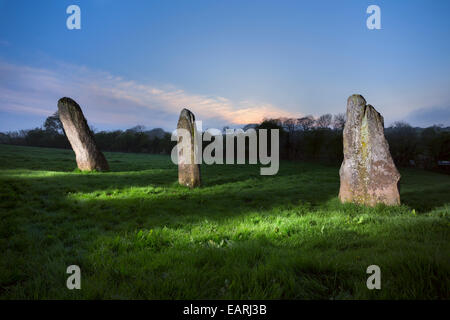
[(230, 62)]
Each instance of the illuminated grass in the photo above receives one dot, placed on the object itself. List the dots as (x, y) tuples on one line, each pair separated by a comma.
[(136, 234)]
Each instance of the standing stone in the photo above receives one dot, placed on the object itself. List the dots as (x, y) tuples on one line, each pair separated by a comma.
[(88, 155), (188, 170), (368, 173)]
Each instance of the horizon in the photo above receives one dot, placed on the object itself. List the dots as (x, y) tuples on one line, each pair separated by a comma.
[(231, 64)]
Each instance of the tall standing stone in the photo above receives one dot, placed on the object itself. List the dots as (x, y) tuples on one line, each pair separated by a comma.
[(188, 170), (368, 173), (88, 155)]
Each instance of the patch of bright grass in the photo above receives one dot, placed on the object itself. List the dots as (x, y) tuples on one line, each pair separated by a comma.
[(136, 233)]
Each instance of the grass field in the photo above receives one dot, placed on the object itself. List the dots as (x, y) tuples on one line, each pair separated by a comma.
[(136, 234)]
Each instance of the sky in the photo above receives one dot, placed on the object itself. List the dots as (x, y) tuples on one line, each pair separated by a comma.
[(139, 62)]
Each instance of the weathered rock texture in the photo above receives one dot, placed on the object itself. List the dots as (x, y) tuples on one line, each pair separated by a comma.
[(88, 155), (368, 174), (188, 170)]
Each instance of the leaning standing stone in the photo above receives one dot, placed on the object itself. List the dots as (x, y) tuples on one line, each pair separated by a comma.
[(88, 155), (368, 173), (188, 170)]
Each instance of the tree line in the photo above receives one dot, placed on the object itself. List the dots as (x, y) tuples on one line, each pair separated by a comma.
[(52, 135), (320, 139), (306, 139)]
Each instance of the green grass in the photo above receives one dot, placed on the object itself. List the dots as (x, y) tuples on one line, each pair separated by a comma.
[(136, 234)]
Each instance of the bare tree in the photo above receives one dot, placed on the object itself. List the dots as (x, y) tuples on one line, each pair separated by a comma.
[(138, 128), (339, 121), (400, 125), (289, 124), (324, 121), (306, 123)]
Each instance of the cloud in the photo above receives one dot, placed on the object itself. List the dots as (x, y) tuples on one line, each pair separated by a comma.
[(430, 116), (112, 100)]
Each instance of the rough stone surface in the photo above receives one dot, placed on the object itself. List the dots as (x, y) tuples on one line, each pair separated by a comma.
[(188, 170), (368, 173), (88, 155)]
